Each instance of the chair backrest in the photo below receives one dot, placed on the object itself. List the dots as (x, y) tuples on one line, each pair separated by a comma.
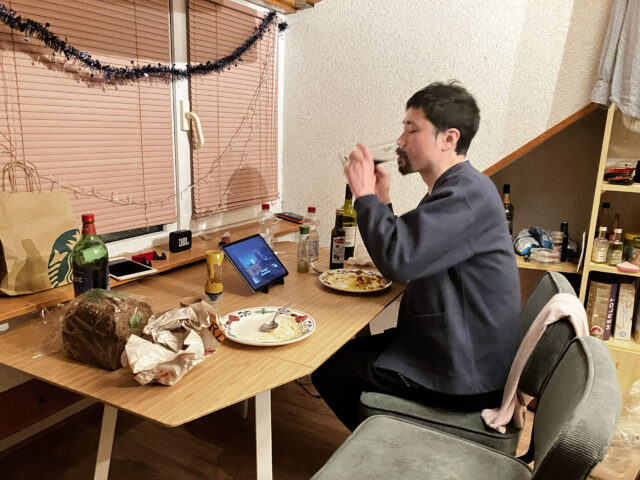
[(577, 412), (554, 340)]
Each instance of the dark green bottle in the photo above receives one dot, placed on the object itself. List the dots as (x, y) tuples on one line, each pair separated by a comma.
[(89, 259), (508, 207), (349, 224)]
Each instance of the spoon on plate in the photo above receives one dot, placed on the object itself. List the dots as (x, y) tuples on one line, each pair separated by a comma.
[(271, 324)]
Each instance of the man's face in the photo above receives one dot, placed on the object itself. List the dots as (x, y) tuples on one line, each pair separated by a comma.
[(417, 146)]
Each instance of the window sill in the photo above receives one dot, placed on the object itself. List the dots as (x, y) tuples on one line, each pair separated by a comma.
[(23, 304)]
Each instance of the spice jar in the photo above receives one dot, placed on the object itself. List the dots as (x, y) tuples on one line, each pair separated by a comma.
[(634, 251), (628, 249)]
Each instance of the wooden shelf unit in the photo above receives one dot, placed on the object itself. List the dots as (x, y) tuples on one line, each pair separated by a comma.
[(563, 267), (610, 187), (624, 353)]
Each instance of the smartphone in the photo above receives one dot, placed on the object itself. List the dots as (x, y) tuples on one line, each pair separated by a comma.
[(122, 268), (290, 217)]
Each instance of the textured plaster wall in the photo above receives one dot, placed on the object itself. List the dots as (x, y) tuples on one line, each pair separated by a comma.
[(349, 67)]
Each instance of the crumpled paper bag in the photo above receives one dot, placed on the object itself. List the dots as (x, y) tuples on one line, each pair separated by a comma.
[(173, 343)]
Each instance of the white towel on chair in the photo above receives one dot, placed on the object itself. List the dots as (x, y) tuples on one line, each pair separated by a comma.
[(514, 402)]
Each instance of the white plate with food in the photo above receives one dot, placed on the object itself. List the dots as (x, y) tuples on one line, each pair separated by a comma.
[(351, 280), (243, 326)]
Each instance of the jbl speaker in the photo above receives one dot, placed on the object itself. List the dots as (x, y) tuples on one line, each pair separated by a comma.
[(179, 240)]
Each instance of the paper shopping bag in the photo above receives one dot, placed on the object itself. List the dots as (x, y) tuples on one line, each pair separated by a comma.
[(37, 234)]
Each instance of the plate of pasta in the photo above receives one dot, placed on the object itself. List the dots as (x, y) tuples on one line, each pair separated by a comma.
[(243, 326), (358, 281)]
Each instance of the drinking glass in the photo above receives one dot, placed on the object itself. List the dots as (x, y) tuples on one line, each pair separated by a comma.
[(381, 152)]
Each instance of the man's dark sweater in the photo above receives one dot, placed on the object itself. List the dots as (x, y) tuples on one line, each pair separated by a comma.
[(458, 326)]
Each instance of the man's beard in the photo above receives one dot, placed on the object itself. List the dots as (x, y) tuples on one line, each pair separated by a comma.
[(405, 167)]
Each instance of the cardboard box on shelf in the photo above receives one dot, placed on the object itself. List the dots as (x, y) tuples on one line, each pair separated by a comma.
[(602, 311), (636, 314), (624, 312)]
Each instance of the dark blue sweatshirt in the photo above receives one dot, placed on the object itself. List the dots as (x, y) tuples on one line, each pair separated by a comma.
[(458, 326)]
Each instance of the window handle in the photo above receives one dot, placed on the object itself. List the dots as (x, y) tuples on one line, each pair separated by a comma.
[(195, 120), (189, 118)]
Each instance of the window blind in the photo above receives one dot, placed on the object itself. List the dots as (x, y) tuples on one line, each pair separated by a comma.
[(101, 141), (238, 164)]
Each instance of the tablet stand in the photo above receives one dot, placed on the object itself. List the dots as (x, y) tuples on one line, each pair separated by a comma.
[(265, 289)]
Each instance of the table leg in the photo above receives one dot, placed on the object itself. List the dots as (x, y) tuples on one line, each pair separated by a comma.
[(107, 432), (264, 467)]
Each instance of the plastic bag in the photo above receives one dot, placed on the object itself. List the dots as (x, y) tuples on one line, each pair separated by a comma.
[(623, 457), (536, 237), (524, 242), (97, 324), (173, 343)]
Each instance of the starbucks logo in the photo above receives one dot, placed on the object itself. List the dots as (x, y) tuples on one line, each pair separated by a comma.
[(60, 258)]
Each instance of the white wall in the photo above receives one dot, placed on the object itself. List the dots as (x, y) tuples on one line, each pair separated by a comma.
[(350, 66)]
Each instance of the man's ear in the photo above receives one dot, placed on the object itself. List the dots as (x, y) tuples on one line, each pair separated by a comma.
[(450, 139)]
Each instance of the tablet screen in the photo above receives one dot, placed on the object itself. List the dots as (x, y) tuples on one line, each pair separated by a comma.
[(255, 261)]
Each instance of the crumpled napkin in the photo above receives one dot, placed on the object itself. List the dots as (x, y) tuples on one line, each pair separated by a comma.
[(173, 343), (360, 258)]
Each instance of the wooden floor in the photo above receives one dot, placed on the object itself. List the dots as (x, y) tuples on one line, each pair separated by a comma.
[(218, 446)]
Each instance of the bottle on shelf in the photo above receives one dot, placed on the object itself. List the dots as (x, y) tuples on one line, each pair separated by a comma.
[(604, 216), (336, 259), (600, 246), (89, 259), (564, 228), (349, 224), (314, 239), (614, 252), (508, 206), (303, 249), (266, 220), (615, 224)]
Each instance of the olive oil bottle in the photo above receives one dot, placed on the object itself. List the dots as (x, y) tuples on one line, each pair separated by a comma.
[(336, 259)]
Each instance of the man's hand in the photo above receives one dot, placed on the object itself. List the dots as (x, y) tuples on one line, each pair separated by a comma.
[(383, 182), (360, 172)]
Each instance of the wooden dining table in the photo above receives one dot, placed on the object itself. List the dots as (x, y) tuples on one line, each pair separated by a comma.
[(234, 373)]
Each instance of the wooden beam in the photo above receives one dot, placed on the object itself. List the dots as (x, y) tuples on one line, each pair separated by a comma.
[(583, 112)]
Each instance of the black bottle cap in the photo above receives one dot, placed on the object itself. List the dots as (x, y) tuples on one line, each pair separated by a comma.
[(606, 205), (506, 188)]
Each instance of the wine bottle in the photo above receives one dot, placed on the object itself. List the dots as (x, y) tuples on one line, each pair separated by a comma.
[(508, 207), (89, 259), (349, 224), (336, 259)]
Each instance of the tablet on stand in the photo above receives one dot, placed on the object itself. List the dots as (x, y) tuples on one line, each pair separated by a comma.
[(256, 263)]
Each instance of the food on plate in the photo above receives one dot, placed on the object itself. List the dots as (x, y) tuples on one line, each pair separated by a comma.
[(288, 328), (358, 280)]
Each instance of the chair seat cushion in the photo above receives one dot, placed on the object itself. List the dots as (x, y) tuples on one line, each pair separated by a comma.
[(467, 425), (389, 448)]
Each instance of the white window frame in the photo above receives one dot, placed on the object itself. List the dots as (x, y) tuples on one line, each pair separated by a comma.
[(182, 149)]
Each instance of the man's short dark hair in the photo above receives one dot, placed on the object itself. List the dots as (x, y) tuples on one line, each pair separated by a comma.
[(449, 105)]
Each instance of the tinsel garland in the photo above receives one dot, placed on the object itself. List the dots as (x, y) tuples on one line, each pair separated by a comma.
[(35, 29)]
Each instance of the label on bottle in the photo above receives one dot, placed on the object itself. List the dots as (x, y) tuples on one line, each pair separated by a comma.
[(314, 248), (599, 254), (337, 249), (349, 236), (86, 278)]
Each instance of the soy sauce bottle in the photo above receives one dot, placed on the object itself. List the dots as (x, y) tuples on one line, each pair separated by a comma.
[(336, 259)]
